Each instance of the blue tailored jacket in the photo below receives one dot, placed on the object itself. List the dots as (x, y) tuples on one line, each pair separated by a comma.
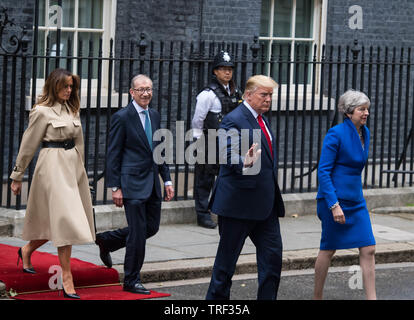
[(246, 196), (130, 163), (342, 160)]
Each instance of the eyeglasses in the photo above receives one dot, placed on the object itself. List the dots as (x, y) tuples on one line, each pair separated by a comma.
[(143, 90)]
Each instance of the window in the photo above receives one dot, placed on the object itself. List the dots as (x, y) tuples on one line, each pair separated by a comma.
[(78, 20), (289, 30)]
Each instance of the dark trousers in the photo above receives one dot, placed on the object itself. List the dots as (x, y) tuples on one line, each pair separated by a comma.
[(114, 240), (143, 219), (265, 235), (205, 175)]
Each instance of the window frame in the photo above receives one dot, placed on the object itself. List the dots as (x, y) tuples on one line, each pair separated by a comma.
[(107, 31), (318, 37)]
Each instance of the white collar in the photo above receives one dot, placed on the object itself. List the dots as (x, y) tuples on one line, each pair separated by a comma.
[(254, 113), (138, 107)]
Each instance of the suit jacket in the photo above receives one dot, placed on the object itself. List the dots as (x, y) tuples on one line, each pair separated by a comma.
[(130, 163), (244, 196), (341, 163)]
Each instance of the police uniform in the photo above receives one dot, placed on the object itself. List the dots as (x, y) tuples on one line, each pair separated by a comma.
[(213, 102)]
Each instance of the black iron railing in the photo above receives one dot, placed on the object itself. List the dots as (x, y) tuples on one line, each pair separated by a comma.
[(304, 106)]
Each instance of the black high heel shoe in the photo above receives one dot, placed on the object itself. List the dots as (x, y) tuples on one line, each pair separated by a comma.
[(19, 256), (70, 295)]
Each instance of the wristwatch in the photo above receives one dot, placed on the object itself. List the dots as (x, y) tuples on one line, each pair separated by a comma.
[(115, 189)]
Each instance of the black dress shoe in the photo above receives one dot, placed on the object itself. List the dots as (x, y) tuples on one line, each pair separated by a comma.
[(103, 252), (206, 222), (137, 288)]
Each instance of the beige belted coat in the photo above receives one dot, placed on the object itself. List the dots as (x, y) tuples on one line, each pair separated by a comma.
[(59, 207)]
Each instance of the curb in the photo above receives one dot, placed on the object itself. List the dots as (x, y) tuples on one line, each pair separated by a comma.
[(390, 210), (6, 228), (292, 260)]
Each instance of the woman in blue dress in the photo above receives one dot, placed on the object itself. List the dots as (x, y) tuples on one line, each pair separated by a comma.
[(341, 205)]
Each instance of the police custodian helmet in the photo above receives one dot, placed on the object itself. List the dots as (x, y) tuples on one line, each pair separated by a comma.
[(223, 59)]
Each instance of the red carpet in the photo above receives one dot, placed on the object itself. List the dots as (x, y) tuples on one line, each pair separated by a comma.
[(102, 283)]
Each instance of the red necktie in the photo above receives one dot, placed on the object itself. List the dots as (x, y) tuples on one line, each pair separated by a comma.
[(262, 125)]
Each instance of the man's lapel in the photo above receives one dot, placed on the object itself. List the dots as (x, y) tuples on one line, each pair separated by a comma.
[(153, 122)]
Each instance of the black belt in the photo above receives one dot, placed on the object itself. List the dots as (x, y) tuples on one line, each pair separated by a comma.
[(67, 144)]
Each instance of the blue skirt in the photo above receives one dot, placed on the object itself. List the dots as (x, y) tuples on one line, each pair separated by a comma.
[(355, 233)]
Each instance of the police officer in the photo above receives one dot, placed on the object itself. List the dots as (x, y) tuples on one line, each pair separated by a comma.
[(217, 99)]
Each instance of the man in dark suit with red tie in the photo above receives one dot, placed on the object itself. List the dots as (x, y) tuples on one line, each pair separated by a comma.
[(246, 196)]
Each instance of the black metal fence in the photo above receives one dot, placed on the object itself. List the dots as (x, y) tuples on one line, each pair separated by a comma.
[(311, 80)]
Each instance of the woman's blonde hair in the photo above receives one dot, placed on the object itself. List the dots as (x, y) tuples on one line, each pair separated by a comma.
[(54, 83)]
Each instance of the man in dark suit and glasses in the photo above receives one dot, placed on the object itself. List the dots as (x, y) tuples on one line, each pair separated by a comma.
[(249, 203), (133, 176)]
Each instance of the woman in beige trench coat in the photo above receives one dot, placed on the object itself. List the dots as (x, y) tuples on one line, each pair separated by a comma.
[(59, 207)]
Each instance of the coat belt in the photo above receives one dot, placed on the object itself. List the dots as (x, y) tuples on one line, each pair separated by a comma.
[(67, 144)]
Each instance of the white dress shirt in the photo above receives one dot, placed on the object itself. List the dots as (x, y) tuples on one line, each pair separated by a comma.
[(255, 115), (207, 101), (141, 112)]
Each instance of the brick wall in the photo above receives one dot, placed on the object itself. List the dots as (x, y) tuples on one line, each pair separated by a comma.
[(176, 20), (234, 20), (385, 23), (180, 20)]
